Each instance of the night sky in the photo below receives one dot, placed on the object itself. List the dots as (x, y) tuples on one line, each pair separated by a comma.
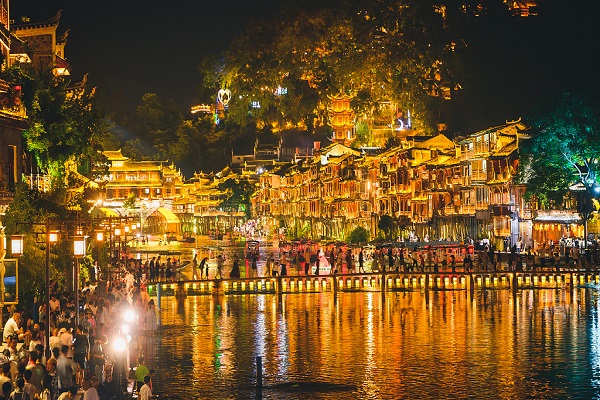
[(132, 47)]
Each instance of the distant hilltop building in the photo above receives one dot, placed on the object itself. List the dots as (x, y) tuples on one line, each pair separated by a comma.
[(522, 8), (342, 119)]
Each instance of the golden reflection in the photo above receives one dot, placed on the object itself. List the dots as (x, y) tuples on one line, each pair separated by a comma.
[(488, 345)]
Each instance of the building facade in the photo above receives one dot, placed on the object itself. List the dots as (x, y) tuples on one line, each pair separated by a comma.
[(431, 186)]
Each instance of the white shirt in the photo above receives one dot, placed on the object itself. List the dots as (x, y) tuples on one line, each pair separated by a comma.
[(55, 342), (54, 305), (145, 392), (10, 328), (91, 394)]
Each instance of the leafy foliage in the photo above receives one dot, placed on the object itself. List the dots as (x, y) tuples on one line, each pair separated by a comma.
[(388, 225), (358, 235), (26, 215), (238, 192), (563, 149), (64, 124), (401, 51)]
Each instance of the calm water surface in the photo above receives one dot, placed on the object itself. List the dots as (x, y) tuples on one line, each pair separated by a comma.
[(540, 344)]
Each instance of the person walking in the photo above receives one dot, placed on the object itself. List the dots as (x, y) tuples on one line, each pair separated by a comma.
[(361, 262), (194, 267), (220, 261), (270, 265), (349, 262), (235, 269), (254, 265), (283, 264)]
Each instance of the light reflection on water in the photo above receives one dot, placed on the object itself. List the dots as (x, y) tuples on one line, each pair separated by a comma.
[(540, 344)]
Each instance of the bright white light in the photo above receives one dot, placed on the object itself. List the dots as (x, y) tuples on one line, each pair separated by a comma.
[(125, 329), (119, 344), (129, 316), (597, 189)]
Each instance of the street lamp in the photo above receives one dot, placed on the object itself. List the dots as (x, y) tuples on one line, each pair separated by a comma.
[(17, 249), (78, 251), (16, 245)]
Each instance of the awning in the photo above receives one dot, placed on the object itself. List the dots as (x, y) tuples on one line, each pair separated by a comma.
[(109, 212), (169, 216)]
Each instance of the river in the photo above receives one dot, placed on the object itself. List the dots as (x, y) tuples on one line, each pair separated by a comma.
[(539, 344)]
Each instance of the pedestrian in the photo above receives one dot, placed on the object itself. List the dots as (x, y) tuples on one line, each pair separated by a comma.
[(18, 393), (235, 269), (194, 267), (270, 265), (81, 351), (202, 266), (283, 264), (349, 262), (140, 373), (254, 265), (145, 391), (361, 261)]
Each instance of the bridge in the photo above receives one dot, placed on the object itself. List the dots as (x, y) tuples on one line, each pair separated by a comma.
[(379, 282)]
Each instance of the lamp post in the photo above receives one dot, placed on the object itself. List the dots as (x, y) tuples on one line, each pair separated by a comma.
[(78, 251), (17, 250)]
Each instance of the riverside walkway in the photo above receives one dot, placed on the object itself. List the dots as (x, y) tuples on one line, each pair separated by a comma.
[(380, 282)]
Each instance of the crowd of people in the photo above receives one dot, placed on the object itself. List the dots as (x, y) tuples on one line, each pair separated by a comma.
[(83, 361), (444, 256)]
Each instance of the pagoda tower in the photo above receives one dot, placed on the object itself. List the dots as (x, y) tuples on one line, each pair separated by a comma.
[(342, 119)]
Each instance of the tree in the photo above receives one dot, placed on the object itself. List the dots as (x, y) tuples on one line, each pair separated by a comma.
[(387, 225), (358, 235), (26, 215), (238, 191), (158, 121), (563, 149), (64, 123)]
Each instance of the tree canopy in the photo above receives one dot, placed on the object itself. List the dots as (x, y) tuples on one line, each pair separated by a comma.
[(281, 71), (238, 192), (563, 149), (64, 122)]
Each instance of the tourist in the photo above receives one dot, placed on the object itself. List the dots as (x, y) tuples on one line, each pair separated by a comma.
[(195, 267), (151, 269), (52, 376), (12, 328), (151, 317), (90, 387), (65, 368), (219, 272), (283, 263), (29, 387), (96, 364), (36, 369), (270, 265), (145, 391), (361, 261), (69, 394), (47, 389), (140, 372), (235, 269), (5, 375), (6, 390), (81, 352), (254, 265), (203, 265), (468, 263), (18, 393), (349, 262)]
